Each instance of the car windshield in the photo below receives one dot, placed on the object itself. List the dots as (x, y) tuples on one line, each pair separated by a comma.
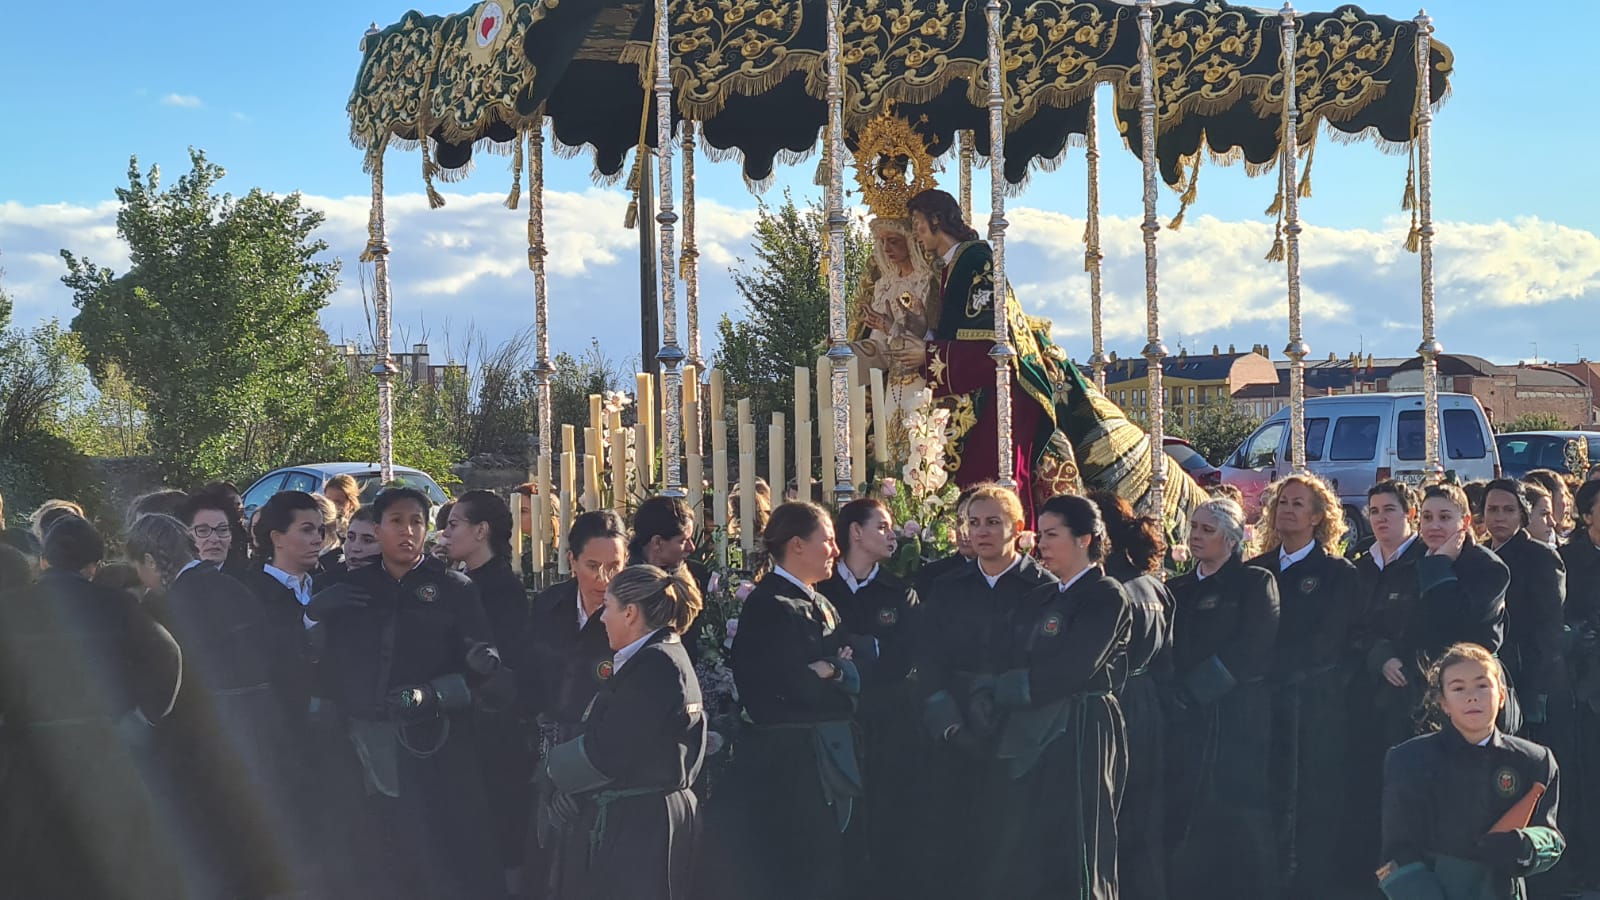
[(1533, 452), (370, 485), (1186, 456)]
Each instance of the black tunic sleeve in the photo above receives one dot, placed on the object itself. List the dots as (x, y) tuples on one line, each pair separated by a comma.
[(1063, 654), (1464, 599), (634, 736), (772, 653), (1408, 812), (1248, 651), (1544, 590)]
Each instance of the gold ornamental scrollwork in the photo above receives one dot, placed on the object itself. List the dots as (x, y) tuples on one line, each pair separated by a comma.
[(723, 47), (483, 69), (901, 50), (1054, 55), (1203, 55), (387, 103), (1341, 66)]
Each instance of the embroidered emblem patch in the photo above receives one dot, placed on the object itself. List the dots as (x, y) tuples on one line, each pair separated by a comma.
[(888, 616), (603, 671), (1208, 601), (1308, 584), (1051, 626), (428, 593), (830, 621), (1505, 781)]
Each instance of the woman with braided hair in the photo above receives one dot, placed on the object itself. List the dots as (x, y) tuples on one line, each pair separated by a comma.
[(625, 783)]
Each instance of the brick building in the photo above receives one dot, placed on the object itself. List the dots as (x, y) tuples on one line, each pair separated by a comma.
[(1506, 392), (1588, 373), (416, 367), (1189, 381)]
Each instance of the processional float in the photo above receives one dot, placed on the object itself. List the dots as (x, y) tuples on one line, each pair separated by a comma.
[(1008, 81)]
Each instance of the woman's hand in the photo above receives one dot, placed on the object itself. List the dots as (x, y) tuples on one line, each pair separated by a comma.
[(878, 321), (1394, 672), (847, 652), (1452, 545), (912, 354), (825, 670)]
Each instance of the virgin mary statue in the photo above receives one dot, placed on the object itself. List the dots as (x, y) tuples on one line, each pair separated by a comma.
[(892, 306)]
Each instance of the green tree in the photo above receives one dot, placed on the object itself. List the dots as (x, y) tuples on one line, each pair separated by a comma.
[(1535, 422), (41, 378), (1219, 428), (785, 315), (215, 325), (574, 379)]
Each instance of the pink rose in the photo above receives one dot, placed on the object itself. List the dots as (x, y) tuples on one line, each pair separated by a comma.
[(743, 591), (911, 529), (732, 627), (1026, 540), (889, 487), (1180, 553)]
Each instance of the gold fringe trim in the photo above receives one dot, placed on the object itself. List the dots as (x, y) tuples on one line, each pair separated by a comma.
[(1276, 253), (630, 219), (1408, 200), (1191, 191), (1276, 209), (1414, 238), (375, 166), (515, 199), (1305, 176)]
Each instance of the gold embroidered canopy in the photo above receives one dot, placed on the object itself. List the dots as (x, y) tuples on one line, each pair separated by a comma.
[(752, 72)]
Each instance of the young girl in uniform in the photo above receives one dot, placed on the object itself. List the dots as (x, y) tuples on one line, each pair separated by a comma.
[(1468, 811)]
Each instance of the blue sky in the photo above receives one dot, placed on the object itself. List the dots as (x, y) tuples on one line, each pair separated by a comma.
[(262, 89)]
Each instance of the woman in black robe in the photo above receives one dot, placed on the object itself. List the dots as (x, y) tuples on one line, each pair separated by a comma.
[(224, 749), (966, 644), (1302, 528), (83, 674), (1052, 827), (566, 659), (409, 659), (1134, 557), (478, 537), (876, 605), (1581, 554), (1225, 620), (627, 779), (663, 536), (778, 829)]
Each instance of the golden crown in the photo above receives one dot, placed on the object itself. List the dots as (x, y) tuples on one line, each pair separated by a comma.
[(892, 164)]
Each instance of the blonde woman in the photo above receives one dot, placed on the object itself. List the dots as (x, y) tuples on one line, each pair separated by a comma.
[(1302, 526)]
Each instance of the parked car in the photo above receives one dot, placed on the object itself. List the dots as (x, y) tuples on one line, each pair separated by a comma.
[(312, 477), (1186, 456), (1353, 441), (1523, 451)]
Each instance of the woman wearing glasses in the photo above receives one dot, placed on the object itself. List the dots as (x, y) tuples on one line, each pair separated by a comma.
[(211, 524)]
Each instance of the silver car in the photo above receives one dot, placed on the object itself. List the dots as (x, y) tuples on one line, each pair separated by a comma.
[(313, 477)]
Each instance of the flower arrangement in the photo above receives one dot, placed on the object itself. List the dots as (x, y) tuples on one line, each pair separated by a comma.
[(922, 500)]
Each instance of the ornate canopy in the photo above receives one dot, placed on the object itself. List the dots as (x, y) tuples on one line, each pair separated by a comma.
[(752, 72)]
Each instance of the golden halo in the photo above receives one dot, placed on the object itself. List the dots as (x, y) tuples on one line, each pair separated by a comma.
[(884, 147)]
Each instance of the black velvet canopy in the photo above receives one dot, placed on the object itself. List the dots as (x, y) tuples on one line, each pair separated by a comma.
[(753, 73)]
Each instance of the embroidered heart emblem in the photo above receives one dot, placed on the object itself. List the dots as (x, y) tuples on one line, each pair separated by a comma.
[(486, 28)]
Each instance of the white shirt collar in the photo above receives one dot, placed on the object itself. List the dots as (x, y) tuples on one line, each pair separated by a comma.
[(192, 564), (1287, 559), (583, 614), (1074, 579), (849, 577), (950, 255), (1485, 741), (300, 584), (995, 579), (626, 653), (1377, 553), (784, 573)]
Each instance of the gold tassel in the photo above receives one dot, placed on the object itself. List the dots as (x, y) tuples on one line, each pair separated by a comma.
[(367, 254), (1177, 220), (429, 169), (636, 174), (1409, 201), (1190, 192), (630, 219), (515, 199), (1414, 237), (1276, 209), (1276, 253), (1305, 177)]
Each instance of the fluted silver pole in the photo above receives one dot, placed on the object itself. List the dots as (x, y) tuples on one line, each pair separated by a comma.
[(1092, 255), (1290, 161), (671, 356), (1002, 352), (690, 259), (1430, 348), (543, 368), (1154, 351), (839, 352), (965, 155), (383, 367)]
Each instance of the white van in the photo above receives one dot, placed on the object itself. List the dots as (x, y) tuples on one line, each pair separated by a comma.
[(1353, 441)]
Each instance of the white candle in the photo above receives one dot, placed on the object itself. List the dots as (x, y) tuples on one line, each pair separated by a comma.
[(517, 503), (718, 407), (858, 436), (802, 394), (541, 512), (695, 467), (747, 501), (776, 479), (825, 452), (619, 466), (802, 460), (591, 482), (569, 486), (880, 419), (644, 448), (719, 486), (569, 439), (596, 414)]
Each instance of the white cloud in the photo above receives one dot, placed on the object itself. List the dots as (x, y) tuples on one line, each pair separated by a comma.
[(185, 101), (1500, 285)]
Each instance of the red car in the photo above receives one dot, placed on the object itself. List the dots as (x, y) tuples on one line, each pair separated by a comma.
[(1186, 456)]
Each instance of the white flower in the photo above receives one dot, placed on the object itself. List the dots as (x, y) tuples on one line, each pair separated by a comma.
[(1180, 553), (927, 535), (911, 529), (743, 591), (1026, 540), (733, 631), (889, 487)]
